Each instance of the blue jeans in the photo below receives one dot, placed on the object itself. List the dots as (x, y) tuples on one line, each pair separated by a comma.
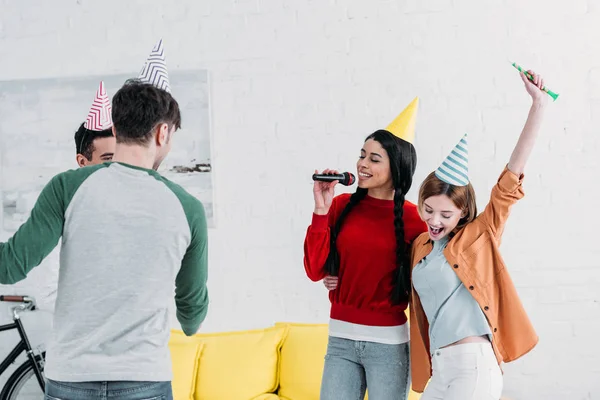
[(108, 390), (351, 367)]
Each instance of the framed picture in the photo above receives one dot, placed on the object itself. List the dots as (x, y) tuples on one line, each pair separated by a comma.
[(38, 120)]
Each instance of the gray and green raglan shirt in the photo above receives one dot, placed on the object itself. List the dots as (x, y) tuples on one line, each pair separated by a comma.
[(131, 239)]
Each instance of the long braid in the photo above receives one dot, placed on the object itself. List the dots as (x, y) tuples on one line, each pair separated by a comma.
[(403, 183), (402, 278), (332, 265)]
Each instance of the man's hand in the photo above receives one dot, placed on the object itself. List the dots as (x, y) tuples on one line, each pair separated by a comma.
[(330, 282)]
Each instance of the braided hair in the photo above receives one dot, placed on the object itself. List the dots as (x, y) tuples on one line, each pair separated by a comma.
[(403, 162)]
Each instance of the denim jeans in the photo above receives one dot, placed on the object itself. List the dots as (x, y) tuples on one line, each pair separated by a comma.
[(108, 390), (351, 367)]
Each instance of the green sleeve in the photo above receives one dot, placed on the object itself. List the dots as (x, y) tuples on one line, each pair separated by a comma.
[(39, 235), (191, 292)]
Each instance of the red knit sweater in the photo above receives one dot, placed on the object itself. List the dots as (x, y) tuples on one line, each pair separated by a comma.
[(367, 250)]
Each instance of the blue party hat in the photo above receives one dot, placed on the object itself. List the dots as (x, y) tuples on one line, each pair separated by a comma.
[(455, 168)]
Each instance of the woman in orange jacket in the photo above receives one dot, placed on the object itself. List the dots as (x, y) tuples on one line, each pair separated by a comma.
[(466, 316)]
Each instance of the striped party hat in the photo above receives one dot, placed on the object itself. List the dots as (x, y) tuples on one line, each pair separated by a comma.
[(155, 69), (455, 168), (99, 117)]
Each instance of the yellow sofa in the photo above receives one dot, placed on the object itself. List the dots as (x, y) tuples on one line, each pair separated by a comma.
[(281, 362)]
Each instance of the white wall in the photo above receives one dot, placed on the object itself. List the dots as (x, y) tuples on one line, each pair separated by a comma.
[(297, 85)]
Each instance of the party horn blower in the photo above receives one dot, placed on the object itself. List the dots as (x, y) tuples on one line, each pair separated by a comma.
[(528, 75)]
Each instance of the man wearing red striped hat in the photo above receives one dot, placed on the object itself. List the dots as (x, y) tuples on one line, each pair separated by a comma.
[(94, 140)]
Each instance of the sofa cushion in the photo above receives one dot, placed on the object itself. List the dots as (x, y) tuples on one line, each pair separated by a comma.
[(302, 360), (239, 365), (185, 357)]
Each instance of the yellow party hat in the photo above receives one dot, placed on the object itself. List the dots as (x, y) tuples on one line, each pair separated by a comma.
[(403, 126)]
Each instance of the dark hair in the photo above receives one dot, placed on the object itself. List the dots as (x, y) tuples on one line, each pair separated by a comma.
[(463, 197), (137, 108), (84, 140), (403, 162)]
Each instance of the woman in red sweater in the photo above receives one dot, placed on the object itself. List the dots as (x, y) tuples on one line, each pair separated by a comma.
[(362, 239)]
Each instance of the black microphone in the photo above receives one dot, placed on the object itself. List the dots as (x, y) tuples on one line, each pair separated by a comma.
[(345, 178)]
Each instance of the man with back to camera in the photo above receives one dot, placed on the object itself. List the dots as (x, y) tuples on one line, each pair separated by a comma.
[(111, 322)]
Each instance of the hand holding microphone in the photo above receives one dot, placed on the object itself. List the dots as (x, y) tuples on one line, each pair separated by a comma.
[(324, 188), (345, 178)]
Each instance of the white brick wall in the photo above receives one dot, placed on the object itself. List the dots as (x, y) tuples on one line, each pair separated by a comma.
[(297, 85)]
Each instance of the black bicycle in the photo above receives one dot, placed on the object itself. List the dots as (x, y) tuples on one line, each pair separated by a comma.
[(27, 381)]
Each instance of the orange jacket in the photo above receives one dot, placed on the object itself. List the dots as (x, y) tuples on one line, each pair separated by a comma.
[(473, 253)]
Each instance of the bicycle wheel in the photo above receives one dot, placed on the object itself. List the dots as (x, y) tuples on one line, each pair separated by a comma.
[(23, 384)]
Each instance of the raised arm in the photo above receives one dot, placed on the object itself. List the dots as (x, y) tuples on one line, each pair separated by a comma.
[(317, 240), (526, 141), (508, 190)]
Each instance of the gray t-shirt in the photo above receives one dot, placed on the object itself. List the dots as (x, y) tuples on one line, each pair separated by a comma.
[(452, 312), (131, 239)]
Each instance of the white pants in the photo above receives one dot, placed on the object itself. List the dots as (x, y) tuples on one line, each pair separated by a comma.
[(464, 372)]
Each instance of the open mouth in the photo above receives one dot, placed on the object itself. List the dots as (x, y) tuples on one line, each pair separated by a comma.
[(435, 231), (364, 175)]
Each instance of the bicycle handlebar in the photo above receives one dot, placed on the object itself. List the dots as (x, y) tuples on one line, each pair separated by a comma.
[(13, 299)]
